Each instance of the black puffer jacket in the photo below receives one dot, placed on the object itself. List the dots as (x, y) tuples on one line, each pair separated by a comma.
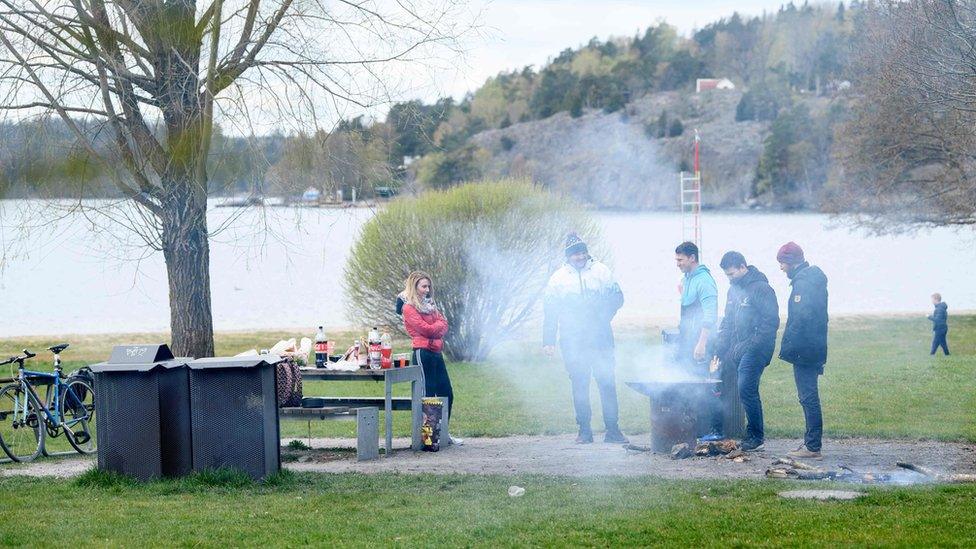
[(751, 319), (940, 318), (805, 335)]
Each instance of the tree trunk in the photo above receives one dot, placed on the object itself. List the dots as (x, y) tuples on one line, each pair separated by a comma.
[(186, 247), (187, 253)]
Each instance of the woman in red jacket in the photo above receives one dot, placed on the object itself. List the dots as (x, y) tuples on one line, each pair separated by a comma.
[(427, 327)]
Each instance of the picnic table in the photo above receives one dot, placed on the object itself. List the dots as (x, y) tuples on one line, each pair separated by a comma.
[(413, 375)]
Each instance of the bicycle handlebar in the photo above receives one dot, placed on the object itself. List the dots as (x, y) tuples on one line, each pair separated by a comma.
[(27, 354)]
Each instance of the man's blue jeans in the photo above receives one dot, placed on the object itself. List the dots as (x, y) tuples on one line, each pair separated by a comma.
[(749, 371), (600, 365), (806, 376)]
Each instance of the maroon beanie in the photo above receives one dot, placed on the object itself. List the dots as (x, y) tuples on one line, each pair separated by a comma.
[(791, 253)]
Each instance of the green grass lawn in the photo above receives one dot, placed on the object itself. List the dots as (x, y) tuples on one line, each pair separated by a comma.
[(416, 511), (879, 381)]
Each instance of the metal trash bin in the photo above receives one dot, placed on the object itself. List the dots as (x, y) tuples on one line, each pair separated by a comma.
[(234, 410), (142, 412)]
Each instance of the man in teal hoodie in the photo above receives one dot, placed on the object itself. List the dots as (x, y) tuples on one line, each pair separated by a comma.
[(699, 314)]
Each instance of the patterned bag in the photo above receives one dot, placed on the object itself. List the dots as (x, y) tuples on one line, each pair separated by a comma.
[(289, 382), (430, 433)]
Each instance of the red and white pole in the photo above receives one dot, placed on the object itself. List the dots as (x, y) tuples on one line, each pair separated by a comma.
[(697, 208)]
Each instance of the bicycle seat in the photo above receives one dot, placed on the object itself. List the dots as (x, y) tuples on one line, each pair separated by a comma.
[(56, 349)]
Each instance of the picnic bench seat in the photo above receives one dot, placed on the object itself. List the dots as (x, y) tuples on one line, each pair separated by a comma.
[(367, 424), (397, 403)]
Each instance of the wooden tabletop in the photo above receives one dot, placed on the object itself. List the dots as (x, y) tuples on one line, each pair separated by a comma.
[(362, 373)]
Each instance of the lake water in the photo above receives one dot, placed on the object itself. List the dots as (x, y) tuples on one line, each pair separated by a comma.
[(67, 277)]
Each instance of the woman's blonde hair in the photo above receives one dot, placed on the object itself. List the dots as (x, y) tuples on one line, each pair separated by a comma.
[(410, 289)]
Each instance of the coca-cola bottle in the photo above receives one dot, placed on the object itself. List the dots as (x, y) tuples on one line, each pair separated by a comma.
[(375, 349), (386, 351), (321, 349)]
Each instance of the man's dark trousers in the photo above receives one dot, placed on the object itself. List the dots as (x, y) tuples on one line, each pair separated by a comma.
[(749, 371), (939, 340), (806, 376), (600, 365)]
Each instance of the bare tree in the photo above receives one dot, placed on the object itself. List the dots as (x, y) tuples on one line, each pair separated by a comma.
[(154, 74), (908, 153)]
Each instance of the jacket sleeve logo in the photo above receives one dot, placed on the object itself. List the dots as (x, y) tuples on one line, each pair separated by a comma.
[(796, 299)]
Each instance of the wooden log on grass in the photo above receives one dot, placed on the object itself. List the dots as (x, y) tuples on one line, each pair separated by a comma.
[(795, 464), (777, 472), (957, 478), (918, 469)]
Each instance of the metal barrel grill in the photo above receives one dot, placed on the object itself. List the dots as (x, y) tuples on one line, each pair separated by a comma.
[(674, 410)]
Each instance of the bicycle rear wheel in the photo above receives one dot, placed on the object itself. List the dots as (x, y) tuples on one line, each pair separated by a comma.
[(78, 415), (21, 425)]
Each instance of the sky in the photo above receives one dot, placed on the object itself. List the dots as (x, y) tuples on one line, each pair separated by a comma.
[(515, 33)]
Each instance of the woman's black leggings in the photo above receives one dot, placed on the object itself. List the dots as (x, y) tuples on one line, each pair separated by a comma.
[(436, 381)]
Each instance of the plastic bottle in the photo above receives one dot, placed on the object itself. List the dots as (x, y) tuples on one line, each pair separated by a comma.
[(321, 349), (386, 351), (375, 349), (360, 354)]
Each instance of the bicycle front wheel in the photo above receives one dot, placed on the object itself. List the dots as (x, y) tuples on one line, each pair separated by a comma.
[(78, 415), (21, 425)]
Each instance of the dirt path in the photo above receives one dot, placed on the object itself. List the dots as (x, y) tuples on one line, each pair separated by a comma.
[(59, 467), (558, 455)]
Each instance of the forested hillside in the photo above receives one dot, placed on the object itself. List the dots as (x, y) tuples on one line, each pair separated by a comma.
[(610, 122)]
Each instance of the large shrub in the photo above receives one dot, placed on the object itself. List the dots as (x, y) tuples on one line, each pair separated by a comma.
[(489, 247)]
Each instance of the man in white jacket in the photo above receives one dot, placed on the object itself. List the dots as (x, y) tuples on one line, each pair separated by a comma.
[(580, 301)]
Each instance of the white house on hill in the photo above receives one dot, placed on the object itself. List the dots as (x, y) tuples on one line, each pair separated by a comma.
[(703, 84)]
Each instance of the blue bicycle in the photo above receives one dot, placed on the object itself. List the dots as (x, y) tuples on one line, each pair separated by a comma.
[(68, 408)]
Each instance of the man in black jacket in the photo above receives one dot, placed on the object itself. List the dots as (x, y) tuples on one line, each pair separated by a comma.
[(747, 337), (940, 324), (804, 342)]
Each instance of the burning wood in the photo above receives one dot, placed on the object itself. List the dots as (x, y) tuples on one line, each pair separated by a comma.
[(728, 448), (681, 451), (960, 478), (737, 455), (721, 447), (790, 468)]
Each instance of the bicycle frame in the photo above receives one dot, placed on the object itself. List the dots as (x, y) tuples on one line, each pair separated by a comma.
[(53, 415), (51, 403)]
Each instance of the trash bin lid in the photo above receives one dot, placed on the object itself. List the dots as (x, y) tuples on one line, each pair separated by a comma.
[(235, 362), (140, 358)]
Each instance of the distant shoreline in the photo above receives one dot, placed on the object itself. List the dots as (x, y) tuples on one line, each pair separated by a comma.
[(623, 326), (277, 202)]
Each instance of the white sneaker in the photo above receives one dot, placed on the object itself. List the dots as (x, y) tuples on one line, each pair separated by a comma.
[(457, 441)]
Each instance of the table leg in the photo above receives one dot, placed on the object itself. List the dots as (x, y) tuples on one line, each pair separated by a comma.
[(388, 409), (446, 423), (417, 413)]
